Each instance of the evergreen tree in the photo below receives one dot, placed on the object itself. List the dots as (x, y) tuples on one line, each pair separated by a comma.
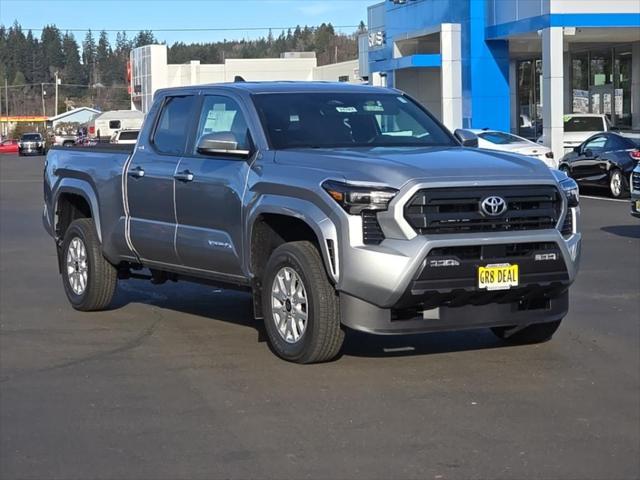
[(144, 37), (104, 60), (89, 58)]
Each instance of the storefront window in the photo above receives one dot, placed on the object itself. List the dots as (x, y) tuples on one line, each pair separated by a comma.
[(601, 83), (529, 98)]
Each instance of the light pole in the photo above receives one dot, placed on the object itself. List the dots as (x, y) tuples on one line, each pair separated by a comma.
[(57, 83)]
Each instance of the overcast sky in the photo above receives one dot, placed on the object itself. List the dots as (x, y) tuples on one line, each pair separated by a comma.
[(183, 14)]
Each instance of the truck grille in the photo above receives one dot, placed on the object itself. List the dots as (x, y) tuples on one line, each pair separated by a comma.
[(457, 210), (635, 181)]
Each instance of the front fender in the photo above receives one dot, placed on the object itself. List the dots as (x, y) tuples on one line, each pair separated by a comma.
[(312, 215), (77, 187)]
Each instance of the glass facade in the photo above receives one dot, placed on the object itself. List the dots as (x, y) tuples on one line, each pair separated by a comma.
[(601, 82)]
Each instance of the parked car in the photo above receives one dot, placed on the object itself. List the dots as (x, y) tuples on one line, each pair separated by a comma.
[(32, 143), (9, 146), (336, 205), (125, 136), (508, 142), (635, 191), (604, 160), (106, 124), (580, 126)]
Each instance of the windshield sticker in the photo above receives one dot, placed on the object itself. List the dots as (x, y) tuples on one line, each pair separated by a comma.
[(402, 100), (373, 108), (347, 109)]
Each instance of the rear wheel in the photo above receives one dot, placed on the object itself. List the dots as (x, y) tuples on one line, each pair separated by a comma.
[(536, 333), (565, 170), (89, 280), (616, 184), (301, 311)]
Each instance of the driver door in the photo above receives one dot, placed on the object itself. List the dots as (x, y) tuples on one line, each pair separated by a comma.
[(586, 167), (209, 193)]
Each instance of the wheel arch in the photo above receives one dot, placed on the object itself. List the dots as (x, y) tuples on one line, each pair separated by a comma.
[(74, 199), (281, 220)]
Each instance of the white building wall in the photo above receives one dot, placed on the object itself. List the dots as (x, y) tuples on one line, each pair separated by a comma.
[(334, 71), (594, 6), (424, 85)]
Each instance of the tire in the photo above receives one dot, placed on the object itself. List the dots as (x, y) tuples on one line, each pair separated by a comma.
[(89, 280), (298, 265), (616, 184), (565, 169), (536, 333)]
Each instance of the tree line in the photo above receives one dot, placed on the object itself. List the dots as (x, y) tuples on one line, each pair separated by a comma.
[(93, 70)]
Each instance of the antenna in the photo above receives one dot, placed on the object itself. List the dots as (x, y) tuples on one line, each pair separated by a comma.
[(238, 79)]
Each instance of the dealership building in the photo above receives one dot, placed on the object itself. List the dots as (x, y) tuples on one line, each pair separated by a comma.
[(509, 64), (151, 71)]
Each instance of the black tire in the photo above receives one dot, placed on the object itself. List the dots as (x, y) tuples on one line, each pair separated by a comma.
[(536, 333), (622, 191), (323, 336), (102, 277)]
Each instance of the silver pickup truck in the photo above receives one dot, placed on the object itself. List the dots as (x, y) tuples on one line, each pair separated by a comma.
[(334, 205)]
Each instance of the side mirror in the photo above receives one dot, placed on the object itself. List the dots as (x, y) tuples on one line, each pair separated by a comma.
[(223, 144), (577, 149), (466, 138)]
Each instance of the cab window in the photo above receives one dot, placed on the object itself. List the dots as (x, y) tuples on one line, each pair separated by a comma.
[(172, 129), (222, 115)]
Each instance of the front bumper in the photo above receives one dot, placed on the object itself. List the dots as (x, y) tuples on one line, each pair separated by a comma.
[(635, 205), (380, 283)]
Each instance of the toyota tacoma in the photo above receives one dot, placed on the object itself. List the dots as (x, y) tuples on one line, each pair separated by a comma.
[(337, 206)]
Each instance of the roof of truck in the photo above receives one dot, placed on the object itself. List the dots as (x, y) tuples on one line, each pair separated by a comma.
[(287, 87)]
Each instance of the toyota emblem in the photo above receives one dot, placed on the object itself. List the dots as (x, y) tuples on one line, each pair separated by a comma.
[(493, 206)]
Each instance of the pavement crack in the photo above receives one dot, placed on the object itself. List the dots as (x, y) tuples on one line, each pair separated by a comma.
[(129, 345)]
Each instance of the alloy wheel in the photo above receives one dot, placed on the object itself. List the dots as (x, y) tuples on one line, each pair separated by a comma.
[(289, 305)]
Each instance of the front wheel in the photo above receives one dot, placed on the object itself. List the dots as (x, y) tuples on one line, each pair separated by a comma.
[(536, 333), (616, 184), (301, 311), (89, 279)]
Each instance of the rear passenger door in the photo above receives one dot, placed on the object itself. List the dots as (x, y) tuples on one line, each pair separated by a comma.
[(209, 192), (150, 181)]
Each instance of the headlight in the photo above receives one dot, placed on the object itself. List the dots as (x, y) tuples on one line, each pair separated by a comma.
[(356, 198), (571, 191)]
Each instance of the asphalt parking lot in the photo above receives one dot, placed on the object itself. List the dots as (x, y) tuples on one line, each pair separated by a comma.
[(177, 381)]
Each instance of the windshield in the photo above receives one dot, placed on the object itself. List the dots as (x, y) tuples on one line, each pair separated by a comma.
[(31, 137), (583, 124), (500, 138), (330, 120)]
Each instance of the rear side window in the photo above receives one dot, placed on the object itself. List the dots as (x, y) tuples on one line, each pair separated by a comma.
[(128, 135), (172, 130), (114, 124), (500, 138), (584, 124)]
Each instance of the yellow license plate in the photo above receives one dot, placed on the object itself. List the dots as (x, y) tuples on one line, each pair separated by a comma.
[(502, 276)]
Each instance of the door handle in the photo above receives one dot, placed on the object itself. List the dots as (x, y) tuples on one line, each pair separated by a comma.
[(137, 172), (184, 176)]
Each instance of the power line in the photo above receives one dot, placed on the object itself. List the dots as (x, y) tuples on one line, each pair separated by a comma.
[(226, 29), (64, 85)]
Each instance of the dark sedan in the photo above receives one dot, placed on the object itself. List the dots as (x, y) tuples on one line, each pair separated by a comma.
[(604, 160)]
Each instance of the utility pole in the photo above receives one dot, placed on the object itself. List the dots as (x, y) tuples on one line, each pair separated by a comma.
[(57, 83), (6, 99), (44, 111)]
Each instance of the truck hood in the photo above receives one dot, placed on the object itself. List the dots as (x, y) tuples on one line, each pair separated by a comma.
[(397, 166)]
